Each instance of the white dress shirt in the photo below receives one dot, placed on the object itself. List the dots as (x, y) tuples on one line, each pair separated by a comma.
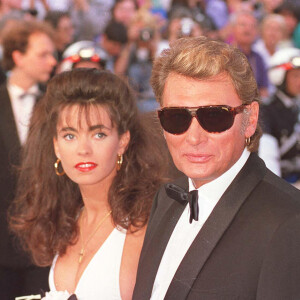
[(184, 233), (22, 103)]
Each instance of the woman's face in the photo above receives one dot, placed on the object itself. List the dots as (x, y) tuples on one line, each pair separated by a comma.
[(88, 145), (124, 12)]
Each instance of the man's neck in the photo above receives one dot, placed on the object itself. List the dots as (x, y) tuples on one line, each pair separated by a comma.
[(19, 79)]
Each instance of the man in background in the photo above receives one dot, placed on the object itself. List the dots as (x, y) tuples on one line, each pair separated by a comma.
[(244, 32), (280, 117), (28, 57)]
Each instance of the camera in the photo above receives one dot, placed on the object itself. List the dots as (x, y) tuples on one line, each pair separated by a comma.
[(32, 11), (187, 25), (146, 34)]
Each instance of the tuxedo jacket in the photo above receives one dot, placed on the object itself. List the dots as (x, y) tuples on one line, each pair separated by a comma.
[(249, 247), (11, 255)]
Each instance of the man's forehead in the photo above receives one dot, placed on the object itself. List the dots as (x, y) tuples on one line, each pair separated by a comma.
[(182, 90)]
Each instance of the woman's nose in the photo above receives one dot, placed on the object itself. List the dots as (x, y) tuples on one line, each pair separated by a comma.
[(84, 147)]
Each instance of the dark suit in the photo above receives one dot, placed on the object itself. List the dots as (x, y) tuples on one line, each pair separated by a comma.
[(249, 247), (17, 274)]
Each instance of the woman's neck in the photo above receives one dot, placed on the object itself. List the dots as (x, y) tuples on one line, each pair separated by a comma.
[(95, 202)]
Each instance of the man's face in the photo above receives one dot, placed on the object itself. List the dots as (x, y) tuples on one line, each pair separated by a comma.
[(245, 30), (272, 33), (113, 48), (293, 82), (201, 155), (65, 31), (38, 60)]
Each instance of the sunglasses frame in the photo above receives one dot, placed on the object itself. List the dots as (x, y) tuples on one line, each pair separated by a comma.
[(193, 113)]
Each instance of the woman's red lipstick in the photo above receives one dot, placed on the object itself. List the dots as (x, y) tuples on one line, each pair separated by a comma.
[(85, 166)]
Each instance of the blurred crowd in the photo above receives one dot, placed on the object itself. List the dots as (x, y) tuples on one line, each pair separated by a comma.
[(126, 35), (41, 38)]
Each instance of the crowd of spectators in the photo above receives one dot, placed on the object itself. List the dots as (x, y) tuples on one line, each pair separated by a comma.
[(125, 36), (133, 32)]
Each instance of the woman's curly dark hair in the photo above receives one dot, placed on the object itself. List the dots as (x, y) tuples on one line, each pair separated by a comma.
[(44, 212)]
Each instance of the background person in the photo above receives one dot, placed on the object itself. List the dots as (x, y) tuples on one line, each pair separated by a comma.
[(244, 33), (271, 38), (83, 54), (61, 23), (28, 50), (239, 235), (280, 116), (88, 213)]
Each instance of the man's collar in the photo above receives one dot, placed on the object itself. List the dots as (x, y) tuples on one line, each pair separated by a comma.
[(286, 100)]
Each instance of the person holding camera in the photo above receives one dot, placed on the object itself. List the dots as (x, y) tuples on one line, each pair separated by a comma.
[(135, 60), (181, 24)]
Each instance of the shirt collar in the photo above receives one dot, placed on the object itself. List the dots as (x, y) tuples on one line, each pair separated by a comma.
[(18, 91), (286, 100)]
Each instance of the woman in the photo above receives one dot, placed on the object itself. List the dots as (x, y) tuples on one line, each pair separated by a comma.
[(88, 214)]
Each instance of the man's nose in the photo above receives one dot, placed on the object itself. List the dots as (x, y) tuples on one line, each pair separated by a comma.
[(52, 60), (195, 134)]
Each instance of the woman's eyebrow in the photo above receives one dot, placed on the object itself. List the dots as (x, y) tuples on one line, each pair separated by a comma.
[(68, 128), (91, 128), (99, 126)]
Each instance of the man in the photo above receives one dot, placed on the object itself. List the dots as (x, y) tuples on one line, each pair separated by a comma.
[(61, 23), (28, 56), (244, 32), (241, 238), (280, 117), (114, 41)]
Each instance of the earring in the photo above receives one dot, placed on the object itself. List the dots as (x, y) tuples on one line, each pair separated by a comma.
[(248, 141), (56, 164), (119, 161)]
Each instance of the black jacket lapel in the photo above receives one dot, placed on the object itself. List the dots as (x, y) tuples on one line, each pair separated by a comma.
[(214, 227)]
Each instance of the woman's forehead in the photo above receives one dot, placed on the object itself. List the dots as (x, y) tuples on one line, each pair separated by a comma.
[(79, 116)]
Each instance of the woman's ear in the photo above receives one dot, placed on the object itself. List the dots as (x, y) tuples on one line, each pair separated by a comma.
[(55, 145), (124, 141)]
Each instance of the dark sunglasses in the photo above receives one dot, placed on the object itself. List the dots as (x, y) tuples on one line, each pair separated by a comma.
[(213, 119)]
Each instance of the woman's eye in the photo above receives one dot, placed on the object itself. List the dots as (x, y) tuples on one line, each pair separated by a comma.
[(69, 136), (100, 135)]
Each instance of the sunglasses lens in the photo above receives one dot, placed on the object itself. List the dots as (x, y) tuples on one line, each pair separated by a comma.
[(215, 119), (175, 121)]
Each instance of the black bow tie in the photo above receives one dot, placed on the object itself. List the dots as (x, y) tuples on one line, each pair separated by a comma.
[(180, 195)]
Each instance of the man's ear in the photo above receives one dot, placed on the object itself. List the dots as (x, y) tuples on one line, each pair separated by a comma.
[(253, 119), (124, 142), (55, 145), (17, 57)]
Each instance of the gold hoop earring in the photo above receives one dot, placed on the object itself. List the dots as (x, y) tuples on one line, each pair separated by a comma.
[(56, 164), (119, 161), (248, 141)]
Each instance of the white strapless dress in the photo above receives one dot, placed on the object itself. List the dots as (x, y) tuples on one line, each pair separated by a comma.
[(101, 278)]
